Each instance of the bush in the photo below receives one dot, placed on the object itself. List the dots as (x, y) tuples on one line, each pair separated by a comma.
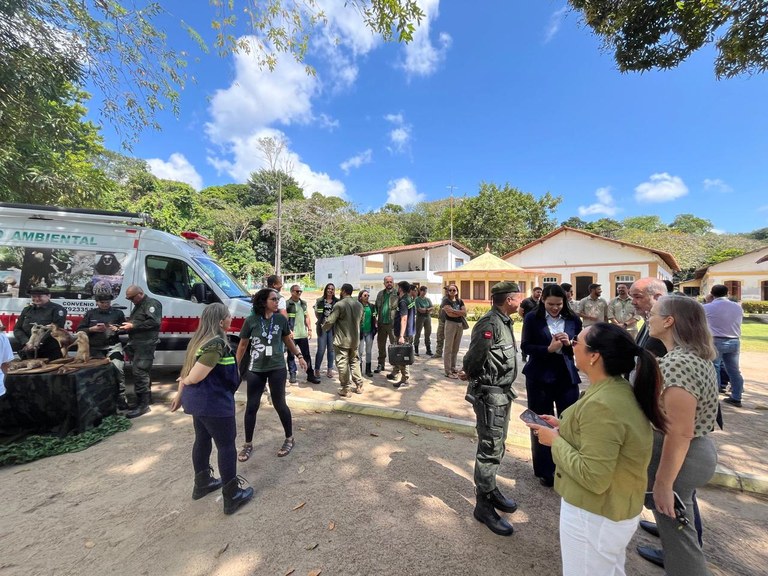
[(476, 312), (755, 307)]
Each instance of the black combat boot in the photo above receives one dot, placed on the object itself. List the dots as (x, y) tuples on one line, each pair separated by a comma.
[(379, 368), (122, 403), (312, 377), (486, 513), (205, 483), (501, 502), (429, 350), (415, 350), (141, 408), (234, 495), (368, 369)]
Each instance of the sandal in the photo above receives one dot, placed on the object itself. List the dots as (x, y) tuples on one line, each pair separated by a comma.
[(245, 452), (286, 447)]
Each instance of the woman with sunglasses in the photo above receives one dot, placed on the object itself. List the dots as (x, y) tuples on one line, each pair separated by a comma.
[(269, 335), (684, 455), (207, 385), (323, 308), (367, 330), (551, 378), (455, 316), (601, 447)]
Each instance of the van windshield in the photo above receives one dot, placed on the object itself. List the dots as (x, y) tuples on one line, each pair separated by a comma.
[(229, 285)]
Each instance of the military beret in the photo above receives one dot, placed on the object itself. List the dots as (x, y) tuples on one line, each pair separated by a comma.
[(38, 290), (505, 288)]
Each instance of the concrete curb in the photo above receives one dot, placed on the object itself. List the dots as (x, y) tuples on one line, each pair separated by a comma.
[(724, 477)]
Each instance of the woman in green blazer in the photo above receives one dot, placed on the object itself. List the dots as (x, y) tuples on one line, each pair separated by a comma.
[(601, 448)]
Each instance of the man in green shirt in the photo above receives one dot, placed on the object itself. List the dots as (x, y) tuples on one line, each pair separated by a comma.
[(345, 321), (386, 304), (423, 321), (301, 326)]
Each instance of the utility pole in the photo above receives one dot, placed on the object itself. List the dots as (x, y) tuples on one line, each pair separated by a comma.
[(271, 149), (450, 255)]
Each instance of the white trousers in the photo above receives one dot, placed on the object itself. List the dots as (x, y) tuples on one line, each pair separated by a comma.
[(593, 545)]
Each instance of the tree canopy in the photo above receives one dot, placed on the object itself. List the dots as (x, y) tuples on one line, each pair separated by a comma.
[(646, 34)]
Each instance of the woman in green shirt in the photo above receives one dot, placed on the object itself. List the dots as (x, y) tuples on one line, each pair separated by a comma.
[(269, 336), (367, 330), (602, 449)]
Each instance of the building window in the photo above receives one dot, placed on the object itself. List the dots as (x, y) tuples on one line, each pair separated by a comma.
[(464, 291), (734, 289), (330, 275), (548, 281), (458, 262), (764, 290), (478, 290)]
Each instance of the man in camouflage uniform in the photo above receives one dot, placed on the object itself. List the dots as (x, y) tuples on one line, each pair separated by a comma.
[(143, 328), (41, 311), (386, 306), (490, 366), (345, 322), (101, 324)]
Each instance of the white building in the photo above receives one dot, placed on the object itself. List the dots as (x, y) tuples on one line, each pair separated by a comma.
[(582, 258), (746, 276), (416, 263)]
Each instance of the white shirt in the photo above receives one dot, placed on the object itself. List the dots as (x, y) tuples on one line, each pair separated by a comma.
[(6, 355)]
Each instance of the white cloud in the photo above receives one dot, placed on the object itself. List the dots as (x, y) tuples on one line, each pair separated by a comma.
[(717, 231), (605, 204), (358, 160), (403, 192), (246, 157), (176, 168), (258, 98), (248, 110), (400, 135), (662, 187), (555, 21), (717, 185), (422, 57)]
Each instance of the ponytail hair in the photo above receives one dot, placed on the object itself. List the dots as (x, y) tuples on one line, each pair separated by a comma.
[(647, 388)]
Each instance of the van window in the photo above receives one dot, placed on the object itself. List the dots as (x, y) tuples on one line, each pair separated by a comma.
[(170, 277), (229, 285)]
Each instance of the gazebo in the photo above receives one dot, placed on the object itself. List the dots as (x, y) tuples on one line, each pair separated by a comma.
[(476, 277)]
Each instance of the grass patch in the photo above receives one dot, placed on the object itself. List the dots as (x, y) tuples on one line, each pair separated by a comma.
[(754, 335)]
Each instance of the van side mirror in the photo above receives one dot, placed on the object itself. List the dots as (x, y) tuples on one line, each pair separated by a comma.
[(201, 293)]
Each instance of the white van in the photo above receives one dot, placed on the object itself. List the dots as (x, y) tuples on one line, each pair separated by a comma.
[(70, 251)]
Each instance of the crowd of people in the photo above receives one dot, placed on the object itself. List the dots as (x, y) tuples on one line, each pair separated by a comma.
[(638, 436)]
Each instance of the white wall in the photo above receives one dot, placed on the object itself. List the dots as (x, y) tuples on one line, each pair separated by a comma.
[(339, 270), (743, 269), (570, 253)]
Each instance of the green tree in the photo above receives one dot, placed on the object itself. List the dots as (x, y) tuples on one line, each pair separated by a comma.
[(661, 34), (690, 224), (760, 234), (46, 148), (503, 218), (264, 184), (646, 223), (128, 57), (607, 227), (173, 206), (575, 222)]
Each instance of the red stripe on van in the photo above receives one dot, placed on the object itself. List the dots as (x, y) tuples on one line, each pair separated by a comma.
[(168, 325)]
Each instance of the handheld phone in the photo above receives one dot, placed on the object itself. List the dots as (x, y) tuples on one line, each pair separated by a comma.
[(531, 417), (678, 506)]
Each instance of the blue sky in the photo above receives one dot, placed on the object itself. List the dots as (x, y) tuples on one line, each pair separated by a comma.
[(495, 91)]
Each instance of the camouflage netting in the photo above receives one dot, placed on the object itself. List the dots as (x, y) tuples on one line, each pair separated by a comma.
[(35, 447)]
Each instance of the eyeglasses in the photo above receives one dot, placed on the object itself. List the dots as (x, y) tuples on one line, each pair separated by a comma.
[(297, 291), (131, 297), (452, 290)]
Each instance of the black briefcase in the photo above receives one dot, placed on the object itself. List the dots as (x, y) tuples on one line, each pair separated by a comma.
[(401, 354)]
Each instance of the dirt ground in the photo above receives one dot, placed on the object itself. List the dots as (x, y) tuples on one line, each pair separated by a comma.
[(358, 495)]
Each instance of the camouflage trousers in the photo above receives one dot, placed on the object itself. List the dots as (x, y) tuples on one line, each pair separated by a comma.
[(143, 357), (492, 407), (440, 337)]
